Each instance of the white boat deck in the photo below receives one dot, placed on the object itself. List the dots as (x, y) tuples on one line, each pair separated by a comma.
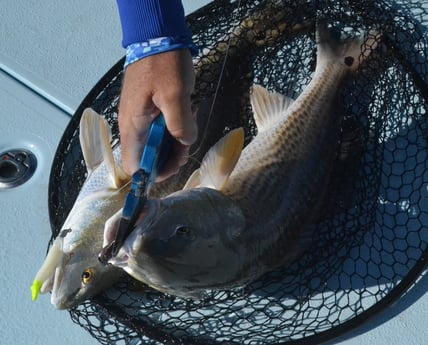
[(51, 55)]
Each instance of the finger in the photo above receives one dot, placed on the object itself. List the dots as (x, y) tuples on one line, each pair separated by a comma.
[(177, 158), (134, 124), (132, 144), (179, 154), (181, 120), (136, 112)]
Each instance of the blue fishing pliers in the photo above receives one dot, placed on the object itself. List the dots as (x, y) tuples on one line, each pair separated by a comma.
[(154, 156)]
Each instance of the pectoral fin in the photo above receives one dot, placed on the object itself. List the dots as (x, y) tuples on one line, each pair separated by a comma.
[(219, 162), (95, 141)]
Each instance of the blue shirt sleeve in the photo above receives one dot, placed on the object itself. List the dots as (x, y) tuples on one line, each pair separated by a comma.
[(143, 20)]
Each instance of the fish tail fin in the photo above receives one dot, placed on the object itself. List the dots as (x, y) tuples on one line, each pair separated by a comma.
[(350, 53)]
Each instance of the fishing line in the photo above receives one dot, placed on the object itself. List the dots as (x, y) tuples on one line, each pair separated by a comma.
[(222, 69)]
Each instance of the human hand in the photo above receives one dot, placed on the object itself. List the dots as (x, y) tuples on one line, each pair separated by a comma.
[(158, 83)]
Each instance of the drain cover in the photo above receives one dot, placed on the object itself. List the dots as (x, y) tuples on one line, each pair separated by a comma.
[(16, 167)]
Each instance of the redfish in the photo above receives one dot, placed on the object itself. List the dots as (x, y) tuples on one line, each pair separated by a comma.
[(245, 213)]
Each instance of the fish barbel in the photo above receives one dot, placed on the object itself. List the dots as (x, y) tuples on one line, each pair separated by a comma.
[(245, 213)]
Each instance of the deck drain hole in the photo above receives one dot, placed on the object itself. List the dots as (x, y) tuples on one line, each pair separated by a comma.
[(16, 167), (8, 170)]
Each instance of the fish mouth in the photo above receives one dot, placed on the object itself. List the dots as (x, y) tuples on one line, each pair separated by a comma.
[(143, 224), (58, 299)]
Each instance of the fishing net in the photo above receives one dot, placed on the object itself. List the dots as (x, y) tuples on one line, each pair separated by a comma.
[(371, 243)]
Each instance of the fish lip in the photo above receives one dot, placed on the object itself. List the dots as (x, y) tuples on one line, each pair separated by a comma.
[(55, 300), (141, 228), (58, 276)]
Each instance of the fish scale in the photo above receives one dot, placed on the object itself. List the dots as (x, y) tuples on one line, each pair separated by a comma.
[(293, 138), (287, 141), (235, 221), (299, 138)]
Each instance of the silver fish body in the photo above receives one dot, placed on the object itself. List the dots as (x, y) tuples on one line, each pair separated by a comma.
[(71, 270), (202, 238)]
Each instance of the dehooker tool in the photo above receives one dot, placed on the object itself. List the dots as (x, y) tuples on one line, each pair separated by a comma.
[(153, 157)]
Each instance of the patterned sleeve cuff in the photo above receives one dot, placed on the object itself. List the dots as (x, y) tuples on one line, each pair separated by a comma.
[(140, 50)]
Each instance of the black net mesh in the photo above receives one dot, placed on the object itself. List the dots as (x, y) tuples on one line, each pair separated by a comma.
[(371, 243)]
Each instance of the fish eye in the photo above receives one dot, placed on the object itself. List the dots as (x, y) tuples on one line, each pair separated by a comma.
[(87, 275), (182, 230)]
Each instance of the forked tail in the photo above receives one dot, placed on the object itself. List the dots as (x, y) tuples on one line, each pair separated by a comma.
[(351, 53)]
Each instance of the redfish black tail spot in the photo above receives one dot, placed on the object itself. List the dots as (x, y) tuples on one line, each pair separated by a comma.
[(349, 61)]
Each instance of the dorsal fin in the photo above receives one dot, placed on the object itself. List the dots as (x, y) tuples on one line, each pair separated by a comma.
[(268, 107), (219, 162), (95, 141)]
